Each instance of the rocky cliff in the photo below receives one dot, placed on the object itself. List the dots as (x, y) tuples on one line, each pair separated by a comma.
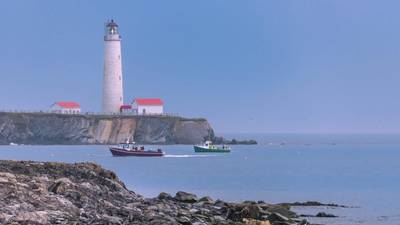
[(85, 193), (45, 128)]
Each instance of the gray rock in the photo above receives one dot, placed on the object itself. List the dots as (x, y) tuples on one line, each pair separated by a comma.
[(281, 223), (185, 197), (324, 214), (281, 209), (277, 217), (303, 222), (206, 199), (220, 203), (164, 195), (184, 220)]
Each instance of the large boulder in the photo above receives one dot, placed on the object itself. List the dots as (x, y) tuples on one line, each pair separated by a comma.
[(164, 195), (324, 214), (206, 199), (237, 212), (277, 217), (185, 197), (282, 210)]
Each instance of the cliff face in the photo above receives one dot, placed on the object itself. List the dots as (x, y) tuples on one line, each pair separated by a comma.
[(44, 128)]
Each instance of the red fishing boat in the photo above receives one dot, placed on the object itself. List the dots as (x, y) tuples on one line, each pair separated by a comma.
[(130, 149)]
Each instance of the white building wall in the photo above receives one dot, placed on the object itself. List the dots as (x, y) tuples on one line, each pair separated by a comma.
[(57, 109), (148, 109), (112, 82)]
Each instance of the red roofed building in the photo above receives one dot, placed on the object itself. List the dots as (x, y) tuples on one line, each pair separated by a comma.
[(65, 108), (152, 106)]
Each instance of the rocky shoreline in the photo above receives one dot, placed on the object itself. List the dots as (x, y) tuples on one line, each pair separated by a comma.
[(234, 141), (85, 193)]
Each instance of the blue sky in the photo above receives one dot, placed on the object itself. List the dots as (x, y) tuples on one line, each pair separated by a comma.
[(247, 66)]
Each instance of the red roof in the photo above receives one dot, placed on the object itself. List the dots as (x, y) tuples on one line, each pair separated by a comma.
[(69, 105), (148, 101), (126, 107)]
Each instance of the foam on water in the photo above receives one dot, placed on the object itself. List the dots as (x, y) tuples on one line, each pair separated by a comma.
[(187, 156)]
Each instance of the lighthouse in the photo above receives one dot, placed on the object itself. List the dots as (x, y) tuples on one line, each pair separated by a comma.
[(112, 82)]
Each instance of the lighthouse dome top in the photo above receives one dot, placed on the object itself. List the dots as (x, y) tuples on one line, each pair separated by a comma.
[(111, 29), (112, 23)]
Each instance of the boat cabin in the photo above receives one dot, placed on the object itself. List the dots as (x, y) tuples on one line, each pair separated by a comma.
[(208, 143), (130, 146)]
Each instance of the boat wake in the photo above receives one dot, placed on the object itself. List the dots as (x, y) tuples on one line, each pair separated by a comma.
[(186, 156)]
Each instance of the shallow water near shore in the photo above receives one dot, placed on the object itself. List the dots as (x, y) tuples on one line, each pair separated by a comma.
[(355, 170)]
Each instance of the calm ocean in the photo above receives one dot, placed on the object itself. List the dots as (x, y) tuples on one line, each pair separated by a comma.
[(355, 170)]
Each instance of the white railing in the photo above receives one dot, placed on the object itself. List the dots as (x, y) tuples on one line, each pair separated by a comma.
[(89, 113)]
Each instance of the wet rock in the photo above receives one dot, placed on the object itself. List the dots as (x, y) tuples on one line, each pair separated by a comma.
[(251, 211), (324, 214), (218, 218), (37, 217), (206, 199), (237, 212), (277, 217), (282, 210), (281, 223), (185, 197), (220, 203), (303, 222), (112, 220), (164, 195), (184, 220), (315, 203)]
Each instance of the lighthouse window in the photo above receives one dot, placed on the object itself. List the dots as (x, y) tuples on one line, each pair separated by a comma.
[(119, 77)]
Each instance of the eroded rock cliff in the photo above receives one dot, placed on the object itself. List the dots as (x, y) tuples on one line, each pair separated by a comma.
[(45, 128)]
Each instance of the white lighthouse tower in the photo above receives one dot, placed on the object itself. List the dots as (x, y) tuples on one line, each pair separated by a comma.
[(112, 82)]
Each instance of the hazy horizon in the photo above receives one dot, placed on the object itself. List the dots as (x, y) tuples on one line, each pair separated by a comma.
[(248, 67)]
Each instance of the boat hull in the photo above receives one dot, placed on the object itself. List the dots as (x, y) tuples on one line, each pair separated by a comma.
[(216, 150), (123, 152)]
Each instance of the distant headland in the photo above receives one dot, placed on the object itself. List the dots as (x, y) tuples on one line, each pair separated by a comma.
[(76, 129)]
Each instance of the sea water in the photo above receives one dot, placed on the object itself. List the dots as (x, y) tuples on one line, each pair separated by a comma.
[(360, 171)]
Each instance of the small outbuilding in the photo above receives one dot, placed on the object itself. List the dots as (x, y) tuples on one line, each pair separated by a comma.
[(65, 108), (148, 106), (125, 109)]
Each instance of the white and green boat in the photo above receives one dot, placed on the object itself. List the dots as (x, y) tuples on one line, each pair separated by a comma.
[(209, 147)]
